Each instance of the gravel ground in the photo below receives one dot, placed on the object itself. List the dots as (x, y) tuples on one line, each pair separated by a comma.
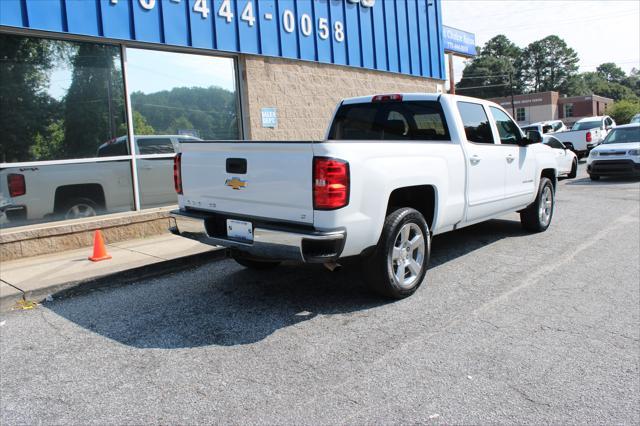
[(507, 328)]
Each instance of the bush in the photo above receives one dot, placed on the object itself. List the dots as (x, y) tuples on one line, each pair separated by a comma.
[(623, 110)]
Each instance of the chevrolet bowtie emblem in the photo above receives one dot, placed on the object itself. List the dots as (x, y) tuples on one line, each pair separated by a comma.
[(236, 183)]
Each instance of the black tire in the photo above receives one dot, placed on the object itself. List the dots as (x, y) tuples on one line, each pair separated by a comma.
[(79, 207), (533, 219), (594, 177), (256, 264), (378, 268), (574, 169)]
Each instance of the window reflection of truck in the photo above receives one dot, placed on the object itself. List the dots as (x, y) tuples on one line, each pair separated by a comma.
[(83, 188)]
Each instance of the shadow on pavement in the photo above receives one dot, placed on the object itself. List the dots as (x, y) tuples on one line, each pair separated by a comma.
[(604, 180), (223, 304)]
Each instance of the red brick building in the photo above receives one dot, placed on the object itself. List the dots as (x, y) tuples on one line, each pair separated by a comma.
[(544, 106)]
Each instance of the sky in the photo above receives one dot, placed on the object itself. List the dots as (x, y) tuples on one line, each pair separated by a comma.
[(152, 71), (599, 30)]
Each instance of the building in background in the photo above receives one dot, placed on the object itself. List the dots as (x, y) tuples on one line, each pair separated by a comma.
[(544, 106), (96, 95)]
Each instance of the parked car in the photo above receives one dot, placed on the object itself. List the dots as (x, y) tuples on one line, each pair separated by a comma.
[(635, 119), (566, 159), (393, 171), (586, 134), (69, 191), (618, 155), (546, 127)]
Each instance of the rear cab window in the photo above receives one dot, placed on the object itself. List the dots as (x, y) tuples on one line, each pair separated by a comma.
[(155, 146), (405, 120)]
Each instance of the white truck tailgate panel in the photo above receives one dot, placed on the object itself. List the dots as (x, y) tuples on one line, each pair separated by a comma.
[(277, 183)]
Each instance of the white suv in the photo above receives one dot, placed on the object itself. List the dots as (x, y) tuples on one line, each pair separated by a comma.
[(618, 155)]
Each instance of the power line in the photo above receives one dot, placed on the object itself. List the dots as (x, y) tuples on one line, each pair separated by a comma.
[(481, 87)]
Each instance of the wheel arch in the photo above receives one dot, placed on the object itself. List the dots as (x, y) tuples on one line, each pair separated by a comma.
[(93, 191), (423, 198), (550, 174)]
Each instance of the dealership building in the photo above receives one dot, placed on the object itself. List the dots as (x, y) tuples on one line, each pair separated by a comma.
[(96, 95)]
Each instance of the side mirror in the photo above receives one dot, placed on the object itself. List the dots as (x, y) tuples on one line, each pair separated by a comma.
[(533, 136)]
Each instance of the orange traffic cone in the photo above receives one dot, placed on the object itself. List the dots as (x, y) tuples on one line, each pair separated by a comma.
[(99, 249)]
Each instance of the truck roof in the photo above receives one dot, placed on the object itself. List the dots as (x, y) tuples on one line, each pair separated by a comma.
[(414, 96), (596, 118)]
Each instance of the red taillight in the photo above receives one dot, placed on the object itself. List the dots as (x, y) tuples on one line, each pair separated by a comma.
[(16, 183), (588, 136), (330, 183), (386, 98), (177, 173)]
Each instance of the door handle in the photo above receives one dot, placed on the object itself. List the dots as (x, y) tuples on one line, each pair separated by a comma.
[(510, 158), (475, 159)]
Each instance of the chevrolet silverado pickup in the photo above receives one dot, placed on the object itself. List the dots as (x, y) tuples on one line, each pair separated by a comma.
[(393, 171), (39, 191)]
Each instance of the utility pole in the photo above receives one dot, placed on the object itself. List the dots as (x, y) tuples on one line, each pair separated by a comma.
[(513, 105), (452, 83)]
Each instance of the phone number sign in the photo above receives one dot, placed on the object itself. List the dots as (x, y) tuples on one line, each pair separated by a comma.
[(392, 35)]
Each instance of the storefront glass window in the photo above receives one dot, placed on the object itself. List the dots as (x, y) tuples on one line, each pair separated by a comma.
[(177, 96), (61, 101)]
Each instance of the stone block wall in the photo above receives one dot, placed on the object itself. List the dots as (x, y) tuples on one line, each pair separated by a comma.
[(306, 93)]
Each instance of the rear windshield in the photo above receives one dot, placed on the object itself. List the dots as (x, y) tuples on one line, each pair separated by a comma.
[(411, 120), (587, 125)]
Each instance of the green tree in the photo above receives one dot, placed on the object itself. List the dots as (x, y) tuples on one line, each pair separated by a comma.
[(94, 105), (622, 111), (547, 64), (140, 126), (25, 106), (487, 75), (611, 72), (50, 145), (180, 123), (632, 81), (593, 83), (210, 111)]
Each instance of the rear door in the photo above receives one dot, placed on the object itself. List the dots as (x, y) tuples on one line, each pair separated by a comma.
[(249, 179), (485, 163)]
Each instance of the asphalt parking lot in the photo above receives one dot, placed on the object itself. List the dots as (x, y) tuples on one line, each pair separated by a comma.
[(508, 328)]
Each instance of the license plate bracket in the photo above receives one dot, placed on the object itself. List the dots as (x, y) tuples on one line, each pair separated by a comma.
[(240, 230)]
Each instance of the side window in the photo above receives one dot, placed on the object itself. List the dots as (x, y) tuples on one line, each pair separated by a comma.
[(476, 122), (557, 126), (554, 143), (508, 130), (155, 146), (608, 122)]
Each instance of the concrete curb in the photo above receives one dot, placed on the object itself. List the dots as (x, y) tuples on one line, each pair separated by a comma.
[(111, 280)]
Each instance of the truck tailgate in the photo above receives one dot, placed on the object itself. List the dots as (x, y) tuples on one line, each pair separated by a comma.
[(261, 179)]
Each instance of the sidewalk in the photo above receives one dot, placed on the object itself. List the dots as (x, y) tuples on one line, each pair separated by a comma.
[(35, 278)]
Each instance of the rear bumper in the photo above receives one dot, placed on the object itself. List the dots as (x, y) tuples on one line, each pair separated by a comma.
[(270, 243), (614, 168)]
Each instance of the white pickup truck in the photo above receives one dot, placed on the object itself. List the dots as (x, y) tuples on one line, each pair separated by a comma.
[(41, 191), (586, 134), (393, 171)]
